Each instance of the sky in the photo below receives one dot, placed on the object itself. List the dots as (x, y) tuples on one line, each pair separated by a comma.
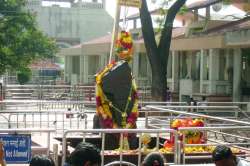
[(152, 4)]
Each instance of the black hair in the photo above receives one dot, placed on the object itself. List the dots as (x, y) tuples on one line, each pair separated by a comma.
[(41, 160), (154, 159), (221, 152), (83, 153)]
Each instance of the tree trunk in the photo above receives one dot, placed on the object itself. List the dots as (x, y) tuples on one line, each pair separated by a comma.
[(158, 55)]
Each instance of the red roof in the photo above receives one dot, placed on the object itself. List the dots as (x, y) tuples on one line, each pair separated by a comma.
[(103, 39), (45, 64), (177, 32)]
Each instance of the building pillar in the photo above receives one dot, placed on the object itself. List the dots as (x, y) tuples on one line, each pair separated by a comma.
[(81, 69), (69, 68), (103, 61), (213, 69), (85, 69), (237, 63), (202, 70), (175, 71), (65, 68)]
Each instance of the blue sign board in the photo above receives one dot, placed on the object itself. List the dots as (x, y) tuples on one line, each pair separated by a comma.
[(17, 148)]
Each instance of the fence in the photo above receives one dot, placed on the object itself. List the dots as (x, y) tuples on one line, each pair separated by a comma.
[(154, 114), (63, 92), (215, 143), (242, 105), (58, 120), (122, 132), (47, 115), (232, 131)]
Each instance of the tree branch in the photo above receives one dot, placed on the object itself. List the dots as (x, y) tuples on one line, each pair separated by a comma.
[(166, 34), (148, 34)]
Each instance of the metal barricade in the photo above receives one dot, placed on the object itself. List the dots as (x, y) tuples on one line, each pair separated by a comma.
[(121, 132), (214, 142), (58, 120), (169, 110)]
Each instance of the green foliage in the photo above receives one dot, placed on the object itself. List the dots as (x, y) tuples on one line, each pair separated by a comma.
[(21, 41), (227, 2), (23, 76), (183, 10), (163, 13)]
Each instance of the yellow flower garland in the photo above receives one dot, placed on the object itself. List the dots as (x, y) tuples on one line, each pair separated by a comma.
[(104, 106)]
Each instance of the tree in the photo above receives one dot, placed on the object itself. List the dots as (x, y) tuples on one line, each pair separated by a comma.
[(21, 42), (158, 54)]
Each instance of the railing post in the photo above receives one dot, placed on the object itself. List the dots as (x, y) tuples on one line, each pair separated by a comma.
[(55, 154), (103, 147), (146, 119), (139, 155), (64, 148), (48, 144), (176, 150)]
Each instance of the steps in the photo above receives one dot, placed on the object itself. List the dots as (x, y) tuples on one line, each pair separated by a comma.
[(17, 92)]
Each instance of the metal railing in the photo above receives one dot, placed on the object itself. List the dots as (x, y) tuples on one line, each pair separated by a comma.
[(42, 105), (191, 112), (58, 120), (64, 92), (242, 105), (213, 142), (122, 132)]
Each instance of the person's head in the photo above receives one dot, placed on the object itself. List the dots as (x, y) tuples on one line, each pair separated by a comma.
[(203, 98), (41, 160), (85, 154), (154, 159), (222, 155)]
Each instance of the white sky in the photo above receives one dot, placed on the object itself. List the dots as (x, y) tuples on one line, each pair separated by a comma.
[(111, 7)]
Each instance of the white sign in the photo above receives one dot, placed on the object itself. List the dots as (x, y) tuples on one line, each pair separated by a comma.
[(132, 3)]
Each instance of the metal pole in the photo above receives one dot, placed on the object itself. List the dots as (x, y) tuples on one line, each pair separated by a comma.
[(64, 152), (115, 30), (139, 155), (103, 146), (48, 144), (176, 150)]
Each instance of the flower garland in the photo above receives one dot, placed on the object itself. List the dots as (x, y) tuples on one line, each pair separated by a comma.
[(103, 105), (124, 46)]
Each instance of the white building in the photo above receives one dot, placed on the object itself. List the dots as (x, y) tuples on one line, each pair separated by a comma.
[(208, 58)]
